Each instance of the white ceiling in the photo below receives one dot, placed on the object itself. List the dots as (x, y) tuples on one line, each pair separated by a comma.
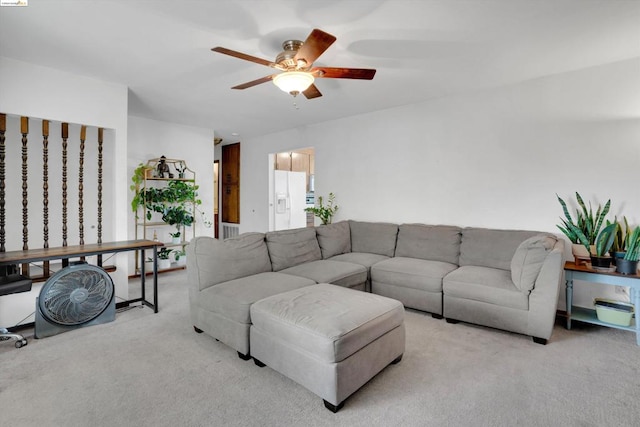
[(421, 48)]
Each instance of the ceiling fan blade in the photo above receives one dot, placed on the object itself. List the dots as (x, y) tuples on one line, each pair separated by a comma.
[(312, 92), (244, 56), (254, 82), (314, 46), (343, 73)]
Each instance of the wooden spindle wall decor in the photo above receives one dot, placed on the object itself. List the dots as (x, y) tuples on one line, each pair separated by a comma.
[(24, 129), (83, 135), (3, 128), (46, 227), (100, 134), (65, 135), (45, 192)]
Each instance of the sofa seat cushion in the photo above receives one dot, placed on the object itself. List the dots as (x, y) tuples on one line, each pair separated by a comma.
[(412, 273), (484, 284), (327, 271), (328, 322), (363, 258), (233, 299)]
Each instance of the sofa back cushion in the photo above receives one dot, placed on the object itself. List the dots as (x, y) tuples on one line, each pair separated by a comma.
[(528, 259), (219, 261), (485, 247), (430, 242), (334, 239), (373, 237), (288, 248)]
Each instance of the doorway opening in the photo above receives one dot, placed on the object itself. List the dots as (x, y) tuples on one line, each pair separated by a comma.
[(291, 189)]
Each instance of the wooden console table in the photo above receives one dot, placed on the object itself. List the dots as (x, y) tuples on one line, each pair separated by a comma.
[(65, 252), (581, 272)]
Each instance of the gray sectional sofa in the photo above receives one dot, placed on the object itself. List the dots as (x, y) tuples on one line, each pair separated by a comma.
[(506, 279)]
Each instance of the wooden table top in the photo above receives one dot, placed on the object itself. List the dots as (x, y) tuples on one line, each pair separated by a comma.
[(572, 266), (61, 252)]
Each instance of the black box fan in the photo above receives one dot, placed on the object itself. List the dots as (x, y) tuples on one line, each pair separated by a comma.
[(79, 295)]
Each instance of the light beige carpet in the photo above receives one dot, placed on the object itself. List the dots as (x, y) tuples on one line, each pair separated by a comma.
[(149, 369)]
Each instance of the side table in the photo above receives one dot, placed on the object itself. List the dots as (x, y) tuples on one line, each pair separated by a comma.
[(581, 272)]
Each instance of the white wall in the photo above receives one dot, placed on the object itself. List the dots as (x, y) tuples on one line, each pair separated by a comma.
[(491, 159), (45, 93), (149, 139)]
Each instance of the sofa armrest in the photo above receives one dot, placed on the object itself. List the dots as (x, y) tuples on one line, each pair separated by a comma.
[(211, 261), (195, 281), (543, 299)]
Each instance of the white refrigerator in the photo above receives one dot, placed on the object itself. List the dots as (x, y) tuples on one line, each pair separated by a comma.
[(290, 199)]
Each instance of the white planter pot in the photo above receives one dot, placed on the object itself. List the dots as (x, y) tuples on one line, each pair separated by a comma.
[(175, 240), (163, 264), (580, 253)]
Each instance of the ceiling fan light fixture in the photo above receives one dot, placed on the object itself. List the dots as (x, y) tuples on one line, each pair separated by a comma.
[(293, 82)]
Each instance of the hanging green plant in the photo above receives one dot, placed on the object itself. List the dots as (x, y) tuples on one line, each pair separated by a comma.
[(137, 179)]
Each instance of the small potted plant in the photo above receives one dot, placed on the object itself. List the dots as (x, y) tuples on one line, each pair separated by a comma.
[(164, 260), (325, 213), (148, 265), (629, 264), (175, 237), (180, 256)]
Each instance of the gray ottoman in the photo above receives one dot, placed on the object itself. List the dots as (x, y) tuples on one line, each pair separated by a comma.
[(329, 339)]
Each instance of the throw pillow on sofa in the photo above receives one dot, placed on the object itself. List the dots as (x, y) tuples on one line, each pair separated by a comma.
[(334, 239), (528, 259), (288, 248)]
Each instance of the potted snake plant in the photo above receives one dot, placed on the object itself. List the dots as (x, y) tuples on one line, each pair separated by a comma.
[(600, 259), (619, 247), (629, 264), (586, 227)]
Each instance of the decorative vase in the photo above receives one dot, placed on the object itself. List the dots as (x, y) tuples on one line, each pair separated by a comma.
[(625, 266), (600, 262)]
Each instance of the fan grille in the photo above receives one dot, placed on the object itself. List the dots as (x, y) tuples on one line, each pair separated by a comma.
[(76, 295)]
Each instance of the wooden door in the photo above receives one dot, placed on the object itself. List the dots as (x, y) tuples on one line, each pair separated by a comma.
[(230, 196)]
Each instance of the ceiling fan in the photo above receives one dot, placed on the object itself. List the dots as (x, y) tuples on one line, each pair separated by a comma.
[(296, 63)]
